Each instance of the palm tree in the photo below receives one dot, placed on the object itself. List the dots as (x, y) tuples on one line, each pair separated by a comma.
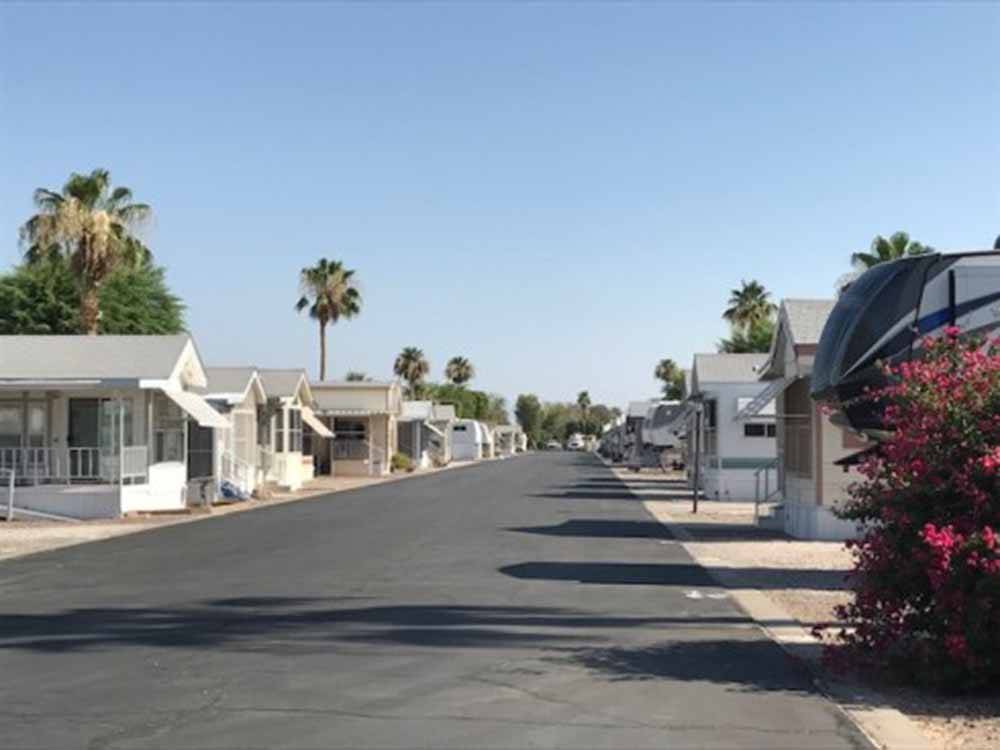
[(412, 366), (749, 305), (672, 376), (583, 402), (328, 290), (882, 250), (459, 370), (93, 226)]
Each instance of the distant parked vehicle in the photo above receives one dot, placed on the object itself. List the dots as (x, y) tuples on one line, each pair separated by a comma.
[(553, 445), (575, 442)]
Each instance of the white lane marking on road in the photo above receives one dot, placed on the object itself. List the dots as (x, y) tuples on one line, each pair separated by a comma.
[(696, 594)]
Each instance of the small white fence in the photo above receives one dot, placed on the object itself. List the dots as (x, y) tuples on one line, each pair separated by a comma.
[(236, 471), (764, 490)]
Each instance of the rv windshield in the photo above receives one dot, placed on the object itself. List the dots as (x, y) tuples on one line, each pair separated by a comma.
[(849, 332)]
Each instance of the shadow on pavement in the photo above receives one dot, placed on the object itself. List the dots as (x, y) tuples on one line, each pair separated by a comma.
[(677, 574), (756, 664), (295, 624), (600, 528)]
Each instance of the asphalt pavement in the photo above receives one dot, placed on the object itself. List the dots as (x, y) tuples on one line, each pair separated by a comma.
[(523, 603)]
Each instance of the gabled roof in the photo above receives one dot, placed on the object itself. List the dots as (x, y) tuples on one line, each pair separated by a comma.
[(806, 318), (800, 323), (102, 358), (727, 368), (444, 413), (232, 383), (639, 409), (283, 383)]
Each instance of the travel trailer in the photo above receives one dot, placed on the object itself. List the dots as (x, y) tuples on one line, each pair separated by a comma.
[(883, 316), (468, 438)]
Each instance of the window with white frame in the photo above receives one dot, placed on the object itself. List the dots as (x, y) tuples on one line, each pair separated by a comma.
[(168, 430), (759, 429)]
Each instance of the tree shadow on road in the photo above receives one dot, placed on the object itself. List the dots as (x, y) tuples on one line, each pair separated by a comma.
[(297, 624), (600, 528), (677, 574), (752, 663)]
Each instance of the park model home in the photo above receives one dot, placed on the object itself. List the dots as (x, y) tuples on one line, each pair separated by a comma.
[(731, 428), (363, 416), (98, 426), (425, 432), (283, 459), (238, 393), (809, 482)]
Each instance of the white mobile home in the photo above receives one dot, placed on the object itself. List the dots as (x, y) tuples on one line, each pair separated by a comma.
[(363, 416), (237, 393), (289, 405), (808, 480), (508, 440), (99, 426), (425, 433), (731, 431)]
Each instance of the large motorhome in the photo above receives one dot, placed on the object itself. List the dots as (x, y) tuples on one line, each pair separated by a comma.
[(883, 316)]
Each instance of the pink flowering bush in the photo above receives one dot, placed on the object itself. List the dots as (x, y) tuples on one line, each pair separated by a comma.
[(927, 567)]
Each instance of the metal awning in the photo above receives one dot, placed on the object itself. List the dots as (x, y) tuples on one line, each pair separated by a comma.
[(198, 408), (345, 412), (435, 430), (310, 418), (754, 406)]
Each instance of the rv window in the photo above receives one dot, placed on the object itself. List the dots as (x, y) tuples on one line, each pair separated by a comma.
[(459, 428), (754, 430), (772, 430)]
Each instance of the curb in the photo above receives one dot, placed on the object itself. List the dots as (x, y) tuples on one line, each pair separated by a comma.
[(885, 728)]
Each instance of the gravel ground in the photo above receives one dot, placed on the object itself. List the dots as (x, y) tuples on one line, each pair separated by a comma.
[(723, 537)]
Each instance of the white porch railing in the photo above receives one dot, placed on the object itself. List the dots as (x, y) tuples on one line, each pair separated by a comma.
[(236, 471), (7, 481), (765, 472), (75, 464), (135, 462)]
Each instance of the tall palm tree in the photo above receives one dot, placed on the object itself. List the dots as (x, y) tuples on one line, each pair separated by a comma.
[(412, 366), (666, 370), (749, 306), (583, 402), (459, 370), (899, 245), (92, 225), (328, 290)]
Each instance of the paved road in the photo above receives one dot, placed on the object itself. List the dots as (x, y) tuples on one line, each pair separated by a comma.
[(524, 603)]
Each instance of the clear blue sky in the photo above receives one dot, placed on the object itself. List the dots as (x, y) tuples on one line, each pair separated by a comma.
[(563, 193)]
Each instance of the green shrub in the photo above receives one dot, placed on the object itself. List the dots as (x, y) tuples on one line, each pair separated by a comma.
[(401, 462)]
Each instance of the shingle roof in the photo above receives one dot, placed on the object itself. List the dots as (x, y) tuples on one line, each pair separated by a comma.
[(90, 357), (228, 379), (281, 383), (728, 368), (806, 318)]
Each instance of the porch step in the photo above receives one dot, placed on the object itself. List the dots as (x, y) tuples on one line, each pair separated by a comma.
[(771, 517)]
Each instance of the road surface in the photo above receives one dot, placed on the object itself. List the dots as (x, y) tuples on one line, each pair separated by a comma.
[(523, 603)]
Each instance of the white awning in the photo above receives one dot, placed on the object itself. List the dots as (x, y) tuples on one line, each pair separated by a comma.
[(310, 418), (435, 430), (763, 403), (198, 408)]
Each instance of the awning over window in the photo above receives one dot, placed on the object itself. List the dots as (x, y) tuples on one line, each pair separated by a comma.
[(310, 418), (198, 409), (763, 403)]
